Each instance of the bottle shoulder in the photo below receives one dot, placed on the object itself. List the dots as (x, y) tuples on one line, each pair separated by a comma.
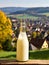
[(22, 35)]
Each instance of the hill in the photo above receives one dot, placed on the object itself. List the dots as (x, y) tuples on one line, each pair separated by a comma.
[(8, 10), (38, 11)]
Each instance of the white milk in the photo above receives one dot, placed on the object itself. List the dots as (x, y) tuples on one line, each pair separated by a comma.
[(22, 47)]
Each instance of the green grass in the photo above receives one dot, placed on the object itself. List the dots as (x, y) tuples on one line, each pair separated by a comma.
[(24, 16), (7, 55), (47, 14), (43, 54)]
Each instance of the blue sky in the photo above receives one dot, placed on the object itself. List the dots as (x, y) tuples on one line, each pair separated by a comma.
[(24, 3)]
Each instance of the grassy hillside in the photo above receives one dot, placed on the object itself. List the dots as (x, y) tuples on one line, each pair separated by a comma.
[(47, 14), (43, 54), (24, 16), (22, 10)]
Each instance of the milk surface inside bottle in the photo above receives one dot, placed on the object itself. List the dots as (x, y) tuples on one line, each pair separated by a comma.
[(22, 44)]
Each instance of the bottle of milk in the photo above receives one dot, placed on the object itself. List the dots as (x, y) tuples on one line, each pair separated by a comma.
[(22, 44)]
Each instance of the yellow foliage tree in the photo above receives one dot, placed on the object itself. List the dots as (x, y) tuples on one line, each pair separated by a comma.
[(36, 34), (5, 27)]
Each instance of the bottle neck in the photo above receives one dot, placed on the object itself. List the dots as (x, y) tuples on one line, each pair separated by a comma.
[(22, 27)]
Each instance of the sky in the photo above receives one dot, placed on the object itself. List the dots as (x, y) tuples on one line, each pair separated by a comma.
[(24, 3)]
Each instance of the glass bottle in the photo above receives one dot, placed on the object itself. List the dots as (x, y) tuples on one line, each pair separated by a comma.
[(22, 44)]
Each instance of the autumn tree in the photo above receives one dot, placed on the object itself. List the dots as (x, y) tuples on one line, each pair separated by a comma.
[(36, 34), (5, 28)]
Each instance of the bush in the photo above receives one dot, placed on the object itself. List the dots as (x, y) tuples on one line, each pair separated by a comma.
[(7, 45), (13, 49)]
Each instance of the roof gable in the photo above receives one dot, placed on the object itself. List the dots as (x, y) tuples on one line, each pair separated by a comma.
[(37, 42)]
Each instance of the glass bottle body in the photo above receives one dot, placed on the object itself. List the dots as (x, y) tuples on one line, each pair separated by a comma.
[(22, 46)]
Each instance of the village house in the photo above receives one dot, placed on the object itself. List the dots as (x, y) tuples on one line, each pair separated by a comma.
[(36, 43)]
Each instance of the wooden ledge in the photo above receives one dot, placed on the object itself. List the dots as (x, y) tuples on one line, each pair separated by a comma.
[(34, 62)]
